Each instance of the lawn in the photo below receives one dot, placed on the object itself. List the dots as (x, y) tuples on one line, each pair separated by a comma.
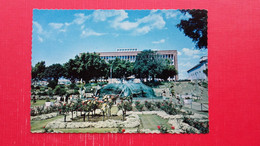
[(39, 102), (152, 121), (88, 130), (38, 125)]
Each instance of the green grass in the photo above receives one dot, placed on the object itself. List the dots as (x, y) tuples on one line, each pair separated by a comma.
[(40, 102), (152, 121), (88, 130), (38, 125)]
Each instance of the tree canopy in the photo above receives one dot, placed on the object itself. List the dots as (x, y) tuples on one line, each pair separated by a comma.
[(149, 64), (54, 72), (196, 27), (38, 71), (88, 66), (121, 68)]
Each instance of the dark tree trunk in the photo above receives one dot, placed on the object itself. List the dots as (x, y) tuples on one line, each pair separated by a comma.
[(84, 117)]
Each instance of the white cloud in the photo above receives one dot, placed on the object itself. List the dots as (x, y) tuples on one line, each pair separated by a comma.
[(90, 32), (186, 64), (190, 52), (38, 27), (40, 39), (80, 18), (56, 25), (82, 27), (170, 13), (102, 15), (125, 25), (159, 42), (196, 56), (140, 26), (152, 21), (179, 53)]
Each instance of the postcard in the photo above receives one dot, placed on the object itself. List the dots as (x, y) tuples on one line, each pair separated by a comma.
[(119, 71)]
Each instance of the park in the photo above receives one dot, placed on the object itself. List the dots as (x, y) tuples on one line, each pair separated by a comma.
[(103, 97)]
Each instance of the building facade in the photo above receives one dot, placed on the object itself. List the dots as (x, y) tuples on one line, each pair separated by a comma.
[(131, 53), (197, 72)]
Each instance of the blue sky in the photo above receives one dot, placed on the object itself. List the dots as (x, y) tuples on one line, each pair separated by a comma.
[(59, 35)]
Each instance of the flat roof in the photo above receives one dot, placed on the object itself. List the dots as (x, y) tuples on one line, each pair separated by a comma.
[(133, 53)]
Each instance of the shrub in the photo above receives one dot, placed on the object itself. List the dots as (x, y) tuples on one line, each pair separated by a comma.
[(139, 106), (149, 105), (169, 108), (72, 86), (203, 127), (33, 112), (124, 106), (158, 104), (162, 129), (52, 84), (59, 90), (75, 92), (48, 100)]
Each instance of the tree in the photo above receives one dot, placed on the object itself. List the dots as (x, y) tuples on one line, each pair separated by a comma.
[(148, 63), (38, 71), (168, 70), (54, 72), (70, 68), (196, 27), (90, 66), (121, 68)]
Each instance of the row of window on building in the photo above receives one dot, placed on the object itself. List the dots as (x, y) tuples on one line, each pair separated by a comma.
[(196, 73), (133, 58), (126, 50)]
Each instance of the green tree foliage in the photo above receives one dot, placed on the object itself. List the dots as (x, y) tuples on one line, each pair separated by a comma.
[(38, 71), (59, 90), (71, 70), (54, 71), (148, 63), (196, 27), (87, 66), (168, 71), (121, 68)]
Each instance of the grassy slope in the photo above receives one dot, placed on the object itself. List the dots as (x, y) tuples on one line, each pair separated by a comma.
[(152, 121), (88, 130), (39, 102)]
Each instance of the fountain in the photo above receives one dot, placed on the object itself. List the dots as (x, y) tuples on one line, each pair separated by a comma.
[(136, 90)]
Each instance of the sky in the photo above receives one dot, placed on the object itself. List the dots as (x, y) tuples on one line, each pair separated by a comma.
[(59, 35)]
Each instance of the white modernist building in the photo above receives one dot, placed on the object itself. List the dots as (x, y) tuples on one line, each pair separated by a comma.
[(197, 72)]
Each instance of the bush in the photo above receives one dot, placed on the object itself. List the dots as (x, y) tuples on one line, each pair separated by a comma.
[(158, 104), (75, 92), (203, 127), (139, 106), (60, 90), (72, 86), (162, 129), (149, 105), (48, 100), (169, 108), (52, 84)]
